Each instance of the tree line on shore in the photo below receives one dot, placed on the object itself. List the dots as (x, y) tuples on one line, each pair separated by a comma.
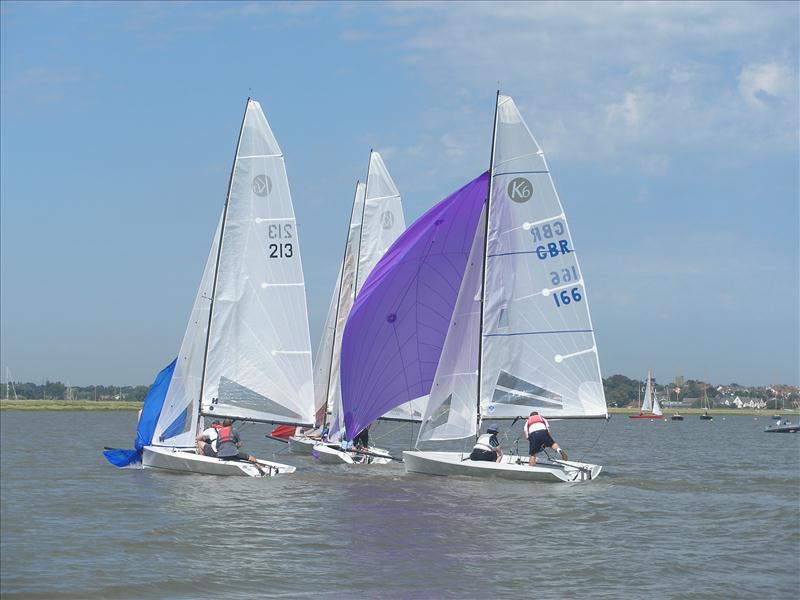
[(56, 390), (620, 392)]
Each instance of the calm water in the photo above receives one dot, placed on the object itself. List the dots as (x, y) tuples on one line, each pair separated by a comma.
[(683, 510)]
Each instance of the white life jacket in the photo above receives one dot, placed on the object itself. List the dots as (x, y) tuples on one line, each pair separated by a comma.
[(483, 442), (212, 436)]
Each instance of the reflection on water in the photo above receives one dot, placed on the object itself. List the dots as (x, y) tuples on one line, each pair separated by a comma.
[(682, 510)]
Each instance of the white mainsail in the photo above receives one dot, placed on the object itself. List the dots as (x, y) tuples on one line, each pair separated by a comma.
[(178, 421), (383, 219), (538, 350), (258, 359), (647, 401)]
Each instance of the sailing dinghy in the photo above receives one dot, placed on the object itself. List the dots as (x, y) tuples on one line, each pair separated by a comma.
[(376, 220), (481, 304), (649, 408), (246, 353)]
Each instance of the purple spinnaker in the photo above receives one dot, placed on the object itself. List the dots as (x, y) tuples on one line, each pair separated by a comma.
[(396, 329)]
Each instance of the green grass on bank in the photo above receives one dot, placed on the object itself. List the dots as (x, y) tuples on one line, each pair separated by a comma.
[(69, 405), (722, 412), (130, 405)]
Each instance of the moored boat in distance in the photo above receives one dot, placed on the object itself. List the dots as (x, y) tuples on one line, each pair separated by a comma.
[(705, 404), (649, 407), (784, 427)]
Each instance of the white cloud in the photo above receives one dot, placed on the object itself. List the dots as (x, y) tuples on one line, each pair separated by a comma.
[(758, 82), (595, 80)]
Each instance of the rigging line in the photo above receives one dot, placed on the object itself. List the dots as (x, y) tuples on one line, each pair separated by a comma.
[(484, 260), (361, 231), (597, 439)]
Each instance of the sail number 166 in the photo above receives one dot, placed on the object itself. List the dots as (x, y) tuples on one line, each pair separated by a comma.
[(566, 296)]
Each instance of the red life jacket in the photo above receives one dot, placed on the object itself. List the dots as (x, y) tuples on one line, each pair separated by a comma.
[(534, 419), (225, 435)]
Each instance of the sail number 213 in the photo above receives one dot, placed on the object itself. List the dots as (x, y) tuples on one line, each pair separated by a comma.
[(280, 248)]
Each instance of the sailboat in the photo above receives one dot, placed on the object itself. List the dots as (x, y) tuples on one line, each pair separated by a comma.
[(481, 304), (649, 408), (705, 405), (246, 353), (376, 220)]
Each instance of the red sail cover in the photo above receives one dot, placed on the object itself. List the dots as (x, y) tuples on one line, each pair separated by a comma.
[(284, 431)]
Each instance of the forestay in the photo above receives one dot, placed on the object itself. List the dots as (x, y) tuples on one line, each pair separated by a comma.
[(258, 360), (538, 350)]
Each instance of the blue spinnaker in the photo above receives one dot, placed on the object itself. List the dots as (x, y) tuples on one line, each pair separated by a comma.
[(151, 410)]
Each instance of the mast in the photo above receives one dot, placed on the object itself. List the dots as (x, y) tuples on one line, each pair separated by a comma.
[(339, 292), (216, 264), (361, 229), (483, 274)]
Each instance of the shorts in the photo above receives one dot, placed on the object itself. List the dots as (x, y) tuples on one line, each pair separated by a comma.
[(538, 440), (241, 456), (208, 450), (485, 455)]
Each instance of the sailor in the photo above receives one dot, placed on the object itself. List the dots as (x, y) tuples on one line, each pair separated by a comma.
[(537, 432), (228, 444), (207, 440), (362, 439), (487, 447)]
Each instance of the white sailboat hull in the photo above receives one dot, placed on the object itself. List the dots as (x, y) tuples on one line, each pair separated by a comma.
[(187, 461), (300, 444), (328, 455), (512, 467)]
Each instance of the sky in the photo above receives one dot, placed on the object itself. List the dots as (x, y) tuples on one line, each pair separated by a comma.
[(671, 131)]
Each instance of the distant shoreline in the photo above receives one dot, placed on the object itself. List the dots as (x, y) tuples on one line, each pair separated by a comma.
[(714, 412), (106, 405), (69, 405)]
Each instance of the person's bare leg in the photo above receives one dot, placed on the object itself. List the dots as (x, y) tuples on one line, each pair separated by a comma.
[(558, 449), (532, 460)]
